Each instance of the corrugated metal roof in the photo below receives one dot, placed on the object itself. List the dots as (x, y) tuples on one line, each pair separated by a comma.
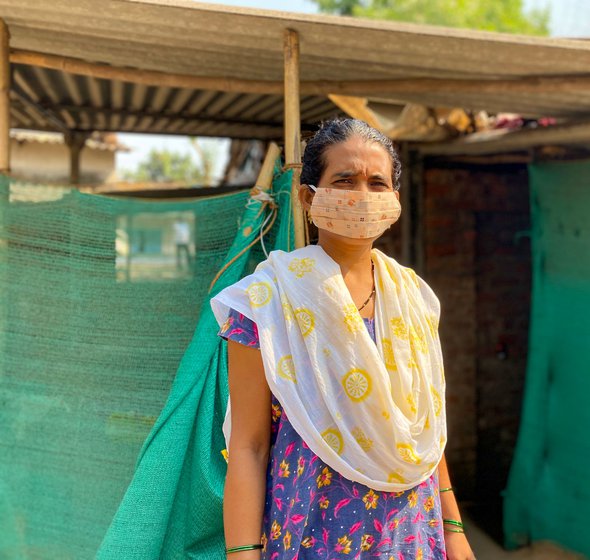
[(42, 96), (195, 39)]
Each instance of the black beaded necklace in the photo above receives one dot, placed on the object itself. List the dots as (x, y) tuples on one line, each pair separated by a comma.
[(372, 291)]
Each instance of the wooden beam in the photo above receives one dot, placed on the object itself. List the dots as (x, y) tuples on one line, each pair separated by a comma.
[(357, 108), (504, 140), (293, 129), (523, 157), (4, 98), (527, 84), (146, 77), (360, 88)]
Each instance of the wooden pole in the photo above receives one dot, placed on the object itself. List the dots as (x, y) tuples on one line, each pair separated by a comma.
[(264, 181), (293, 129), (361, 88), (5, 268), (75, 141), (4, 98)]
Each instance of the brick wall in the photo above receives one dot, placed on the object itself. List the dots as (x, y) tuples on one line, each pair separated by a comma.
[(478, 262)]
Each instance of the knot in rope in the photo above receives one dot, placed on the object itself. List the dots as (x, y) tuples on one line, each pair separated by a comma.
[(258, 195)]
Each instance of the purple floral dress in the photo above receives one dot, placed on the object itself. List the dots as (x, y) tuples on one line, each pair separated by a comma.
[(312, 512)]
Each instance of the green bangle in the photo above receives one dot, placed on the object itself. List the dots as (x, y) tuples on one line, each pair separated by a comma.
[(454, 530), (242, 548), (453, 522), (449, 489)]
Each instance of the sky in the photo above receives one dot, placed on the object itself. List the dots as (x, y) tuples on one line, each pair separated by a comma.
[(569, 18)]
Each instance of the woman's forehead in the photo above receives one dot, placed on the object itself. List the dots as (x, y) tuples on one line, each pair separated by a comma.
[(356, 155)]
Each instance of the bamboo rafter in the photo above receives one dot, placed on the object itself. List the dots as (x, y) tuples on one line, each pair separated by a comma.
[(528, 84)]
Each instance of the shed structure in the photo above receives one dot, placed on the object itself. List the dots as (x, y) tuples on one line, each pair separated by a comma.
[(186, 68), (182, 67)]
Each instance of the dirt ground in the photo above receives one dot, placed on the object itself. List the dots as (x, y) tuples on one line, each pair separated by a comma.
[(485, 548)]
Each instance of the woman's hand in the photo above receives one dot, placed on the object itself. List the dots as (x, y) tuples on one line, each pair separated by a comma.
[(457, 547)]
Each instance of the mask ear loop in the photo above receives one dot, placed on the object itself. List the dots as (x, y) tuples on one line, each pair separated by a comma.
[(307, 236)]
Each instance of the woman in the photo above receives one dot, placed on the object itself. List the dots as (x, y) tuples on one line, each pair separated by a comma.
[(336, 381)]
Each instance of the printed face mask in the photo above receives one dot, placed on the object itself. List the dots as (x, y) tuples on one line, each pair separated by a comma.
[(355, 214)]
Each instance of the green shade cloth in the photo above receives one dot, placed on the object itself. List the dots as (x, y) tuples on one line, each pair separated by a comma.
[(548, 496), (103, 432)]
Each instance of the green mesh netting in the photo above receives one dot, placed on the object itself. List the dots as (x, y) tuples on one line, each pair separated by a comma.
[(99, 302), (548, 493)]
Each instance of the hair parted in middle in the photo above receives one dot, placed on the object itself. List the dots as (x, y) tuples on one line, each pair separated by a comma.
[(334, 132)]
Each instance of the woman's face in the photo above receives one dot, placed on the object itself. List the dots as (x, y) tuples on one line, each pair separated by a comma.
[(353, 165), (357, 165)]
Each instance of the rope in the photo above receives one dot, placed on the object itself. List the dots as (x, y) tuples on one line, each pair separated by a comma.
[(288, 166), (266, 200)]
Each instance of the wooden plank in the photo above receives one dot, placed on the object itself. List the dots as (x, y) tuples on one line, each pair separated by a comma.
[(219, 29), (356, 107), (503, 140), (293, 130), (146, 77), (519, 85)]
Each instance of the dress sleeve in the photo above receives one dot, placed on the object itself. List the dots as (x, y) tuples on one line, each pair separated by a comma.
[(240, 329)]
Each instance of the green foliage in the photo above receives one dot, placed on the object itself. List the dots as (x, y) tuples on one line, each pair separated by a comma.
[(506, 16), (341, 7), (164, 165), (206, 153)]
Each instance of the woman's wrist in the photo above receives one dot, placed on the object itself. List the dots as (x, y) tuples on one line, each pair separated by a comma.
[(242, 548), (453, 526), (245, 555)]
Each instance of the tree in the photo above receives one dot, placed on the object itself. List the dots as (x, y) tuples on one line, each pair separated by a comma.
[(507, 16), (207, 156), (164, 165)]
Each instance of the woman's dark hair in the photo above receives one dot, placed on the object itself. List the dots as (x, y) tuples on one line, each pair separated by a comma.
[(334, 132)]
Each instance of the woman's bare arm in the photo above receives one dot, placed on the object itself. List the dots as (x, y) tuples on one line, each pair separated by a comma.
[(245, 484), (456, 543)]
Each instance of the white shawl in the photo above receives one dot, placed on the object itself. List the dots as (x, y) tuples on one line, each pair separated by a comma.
[(375, 413)]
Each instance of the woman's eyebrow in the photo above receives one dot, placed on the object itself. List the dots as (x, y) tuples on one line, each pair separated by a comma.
[(348, 174), (344, 174)]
